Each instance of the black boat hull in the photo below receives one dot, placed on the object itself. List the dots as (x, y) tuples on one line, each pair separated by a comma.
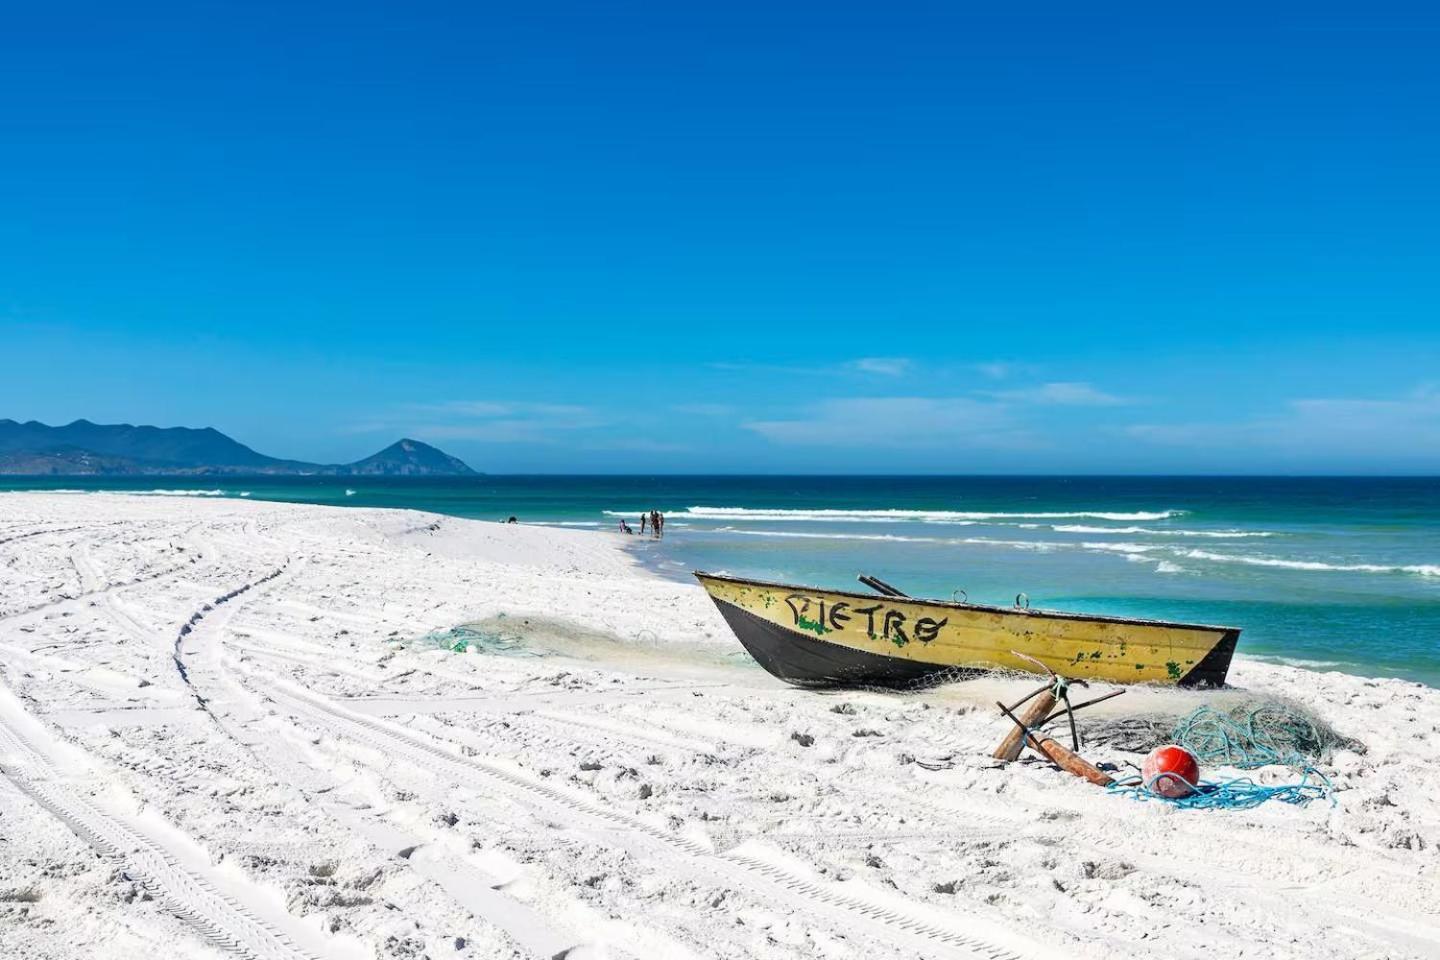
[(814, 663)]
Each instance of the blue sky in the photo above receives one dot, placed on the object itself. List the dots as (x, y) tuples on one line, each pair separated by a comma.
[(732, 237)]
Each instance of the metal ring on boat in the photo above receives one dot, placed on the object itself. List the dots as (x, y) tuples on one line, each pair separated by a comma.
[(1022, 597), (963, 598)]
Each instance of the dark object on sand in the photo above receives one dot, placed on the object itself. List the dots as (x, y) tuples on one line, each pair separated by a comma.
[(1035, 714), (1066, 759), (1043, 700)]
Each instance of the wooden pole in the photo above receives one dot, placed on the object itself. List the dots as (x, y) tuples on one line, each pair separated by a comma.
[(1062, 757), (1034, 714), (1071, 762)]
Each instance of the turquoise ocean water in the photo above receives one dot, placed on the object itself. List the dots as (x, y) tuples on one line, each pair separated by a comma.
[(1334, 573)]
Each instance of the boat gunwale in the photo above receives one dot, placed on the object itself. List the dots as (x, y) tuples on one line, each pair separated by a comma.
[(982, 607)]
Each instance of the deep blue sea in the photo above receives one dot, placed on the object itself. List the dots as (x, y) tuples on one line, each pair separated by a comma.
[(1333, 573)]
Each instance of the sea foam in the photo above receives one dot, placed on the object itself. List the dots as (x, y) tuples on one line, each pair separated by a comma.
[(183, 493), (1420, 569), (1151, 531), (887, 516), (798, 535), (1136, 552)]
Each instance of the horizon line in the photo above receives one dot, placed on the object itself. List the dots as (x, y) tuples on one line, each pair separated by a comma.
[(481, 475)]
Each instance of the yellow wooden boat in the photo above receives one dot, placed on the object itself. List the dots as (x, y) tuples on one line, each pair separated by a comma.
[(816, 637)]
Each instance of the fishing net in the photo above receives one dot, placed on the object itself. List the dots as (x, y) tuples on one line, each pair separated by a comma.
[(528, 635), (1133, 734), (1247, 732), (930, 681), (481, 638), (1273, 731)]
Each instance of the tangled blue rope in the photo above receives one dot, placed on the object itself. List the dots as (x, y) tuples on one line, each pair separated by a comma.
[(1271, 734), (1239, 794), (1267, 735)]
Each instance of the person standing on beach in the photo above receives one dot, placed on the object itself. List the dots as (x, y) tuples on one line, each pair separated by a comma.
[(643, 518), (659, 524)]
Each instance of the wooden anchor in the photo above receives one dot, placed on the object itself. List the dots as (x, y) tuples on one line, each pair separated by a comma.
[(1056, 753), (1071, 708), (1038, 714), (1034, 715)]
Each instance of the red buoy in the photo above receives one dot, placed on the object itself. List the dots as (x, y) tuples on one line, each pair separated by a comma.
[(1171, 771)]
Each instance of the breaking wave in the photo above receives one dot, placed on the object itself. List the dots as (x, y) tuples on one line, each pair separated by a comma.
[(1150, 531), (1128, 548), (149, 493), (1043, 546), (1299, 662), (746, 514), (185, 493), (1421, 569), (1137, 552), (1040, 545), (797, 535)]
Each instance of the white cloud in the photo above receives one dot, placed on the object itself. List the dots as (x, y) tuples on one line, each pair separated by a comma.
[(1406, 428), (884, 366), (897, 422), (873, 366), (637, 445), (996, 370), (1004, 369), (1064, 394), (704, 409), (489, 409), (493, 431), (488, 421), (731, 366)]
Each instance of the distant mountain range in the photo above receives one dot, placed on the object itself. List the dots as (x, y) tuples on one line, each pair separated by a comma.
[(96, 449)]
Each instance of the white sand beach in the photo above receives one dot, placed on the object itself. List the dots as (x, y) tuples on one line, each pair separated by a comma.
[(223, 733)]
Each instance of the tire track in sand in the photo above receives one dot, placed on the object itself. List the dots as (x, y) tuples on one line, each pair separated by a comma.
[(471, 890), (869, 915), (540, 730), (218, 917)]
